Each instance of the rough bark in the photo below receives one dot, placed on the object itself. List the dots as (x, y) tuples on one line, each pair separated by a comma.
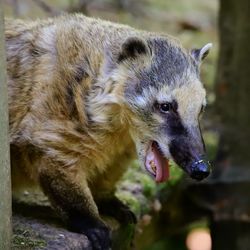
[(230, 226), (5, 190), (233, 87)]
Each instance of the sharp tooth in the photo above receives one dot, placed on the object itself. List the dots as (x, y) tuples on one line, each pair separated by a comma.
[(152, 165)]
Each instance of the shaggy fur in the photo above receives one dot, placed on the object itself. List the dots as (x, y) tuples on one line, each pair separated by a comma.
[(82, 96)]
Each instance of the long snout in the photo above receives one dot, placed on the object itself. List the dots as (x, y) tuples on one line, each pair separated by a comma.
[(189, 155)]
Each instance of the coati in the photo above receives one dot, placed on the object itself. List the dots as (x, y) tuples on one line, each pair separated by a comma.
[(85, 97)]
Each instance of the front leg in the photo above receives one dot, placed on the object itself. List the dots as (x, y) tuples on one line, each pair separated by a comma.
[(70, 195)]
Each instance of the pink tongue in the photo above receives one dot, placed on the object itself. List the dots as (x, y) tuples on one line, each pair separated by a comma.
[(162, 164)]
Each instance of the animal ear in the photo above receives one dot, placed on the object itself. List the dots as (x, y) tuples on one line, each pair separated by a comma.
[(200, 54), (132, 48)]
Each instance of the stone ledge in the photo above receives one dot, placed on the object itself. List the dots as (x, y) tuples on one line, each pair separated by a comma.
[(37, 233)]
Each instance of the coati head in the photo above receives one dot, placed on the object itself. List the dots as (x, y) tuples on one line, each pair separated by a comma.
[(165, 99)]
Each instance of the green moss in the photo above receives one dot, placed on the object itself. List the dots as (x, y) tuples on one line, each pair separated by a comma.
[(26, 239), (135, 176), (130, 200), (24, 242), (148, 185)]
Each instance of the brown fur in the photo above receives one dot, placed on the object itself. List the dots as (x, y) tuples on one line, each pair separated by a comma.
[(47, 96), (70, 129)]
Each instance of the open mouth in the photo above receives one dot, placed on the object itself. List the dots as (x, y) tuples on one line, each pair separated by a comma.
[(156, 163)]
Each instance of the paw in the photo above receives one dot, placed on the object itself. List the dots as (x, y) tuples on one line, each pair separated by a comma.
[(100, 237), (97, 232)]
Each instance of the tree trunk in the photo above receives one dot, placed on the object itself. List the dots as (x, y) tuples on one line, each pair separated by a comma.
[(5, 188), (233, 86), (230, 227)]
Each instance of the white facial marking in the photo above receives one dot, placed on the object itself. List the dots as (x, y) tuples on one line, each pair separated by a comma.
[(164, 95), (190, 98)]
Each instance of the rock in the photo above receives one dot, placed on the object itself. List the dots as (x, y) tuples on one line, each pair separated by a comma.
[(38, 227), (38, 233)]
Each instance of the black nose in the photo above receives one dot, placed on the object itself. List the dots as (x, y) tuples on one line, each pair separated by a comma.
[(200, 170)]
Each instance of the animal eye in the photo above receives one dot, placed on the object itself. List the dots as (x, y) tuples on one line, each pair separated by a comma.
[(165, 107)]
